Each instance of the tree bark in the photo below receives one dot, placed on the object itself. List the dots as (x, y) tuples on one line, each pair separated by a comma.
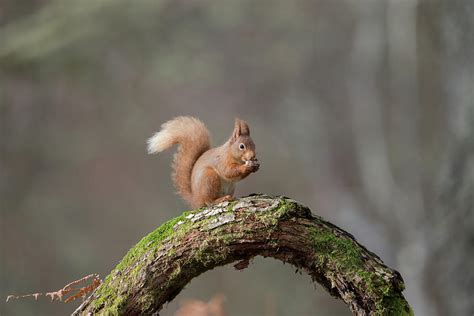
[(162, 263)]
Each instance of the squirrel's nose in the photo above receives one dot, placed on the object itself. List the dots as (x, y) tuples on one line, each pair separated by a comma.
[(250, 156)]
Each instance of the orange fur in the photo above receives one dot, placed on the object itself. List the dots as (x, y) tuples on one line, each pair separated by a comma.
[(202, 175), (193, 139)]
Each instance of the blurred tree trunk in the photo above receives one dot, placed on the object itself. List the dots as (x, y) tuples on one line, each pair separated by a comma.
[(449, 265), (449, 276)]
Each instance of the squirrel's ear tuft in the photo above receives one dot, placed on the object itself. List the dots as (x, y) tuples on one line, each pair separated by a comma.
[(240, 128), (244, 128)]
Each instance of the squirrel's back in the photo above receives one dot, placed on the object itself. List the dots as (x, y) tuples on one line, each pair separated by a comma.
[(193, 138)]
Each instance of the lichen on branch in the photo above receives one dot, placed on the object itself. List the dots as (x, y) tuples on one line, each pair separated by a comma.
[(162, 263)]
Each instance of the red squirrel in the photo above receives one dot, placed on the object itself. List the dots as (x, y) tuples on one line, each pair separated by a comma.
[(204, 175)]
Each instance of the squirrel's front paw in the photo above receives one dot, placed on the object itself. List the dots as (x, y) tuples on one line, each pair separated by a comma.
[(252, 165)]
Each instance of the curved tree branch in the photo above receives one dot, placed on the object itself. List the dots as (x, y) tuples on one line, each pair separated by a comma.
[(162, 263)]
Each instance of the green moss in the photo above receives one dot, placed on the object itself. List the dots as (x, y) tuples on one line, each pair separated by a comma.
[(174, 275), (208, 253), (152, 240), (272, 217), (393, 304), (388, 301), (175, 228), (344, 255), (338, 251), (230, 206), (225, 238), (172, 252), (336, 254), (107, 293)]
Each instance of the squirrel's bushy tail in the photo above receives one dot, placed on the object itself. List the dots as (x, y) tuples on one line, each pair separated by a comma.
[(193, 137)]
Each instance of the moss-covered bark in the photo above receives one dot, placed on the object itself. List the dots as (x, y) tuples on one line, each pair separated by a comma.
[(161, 264)]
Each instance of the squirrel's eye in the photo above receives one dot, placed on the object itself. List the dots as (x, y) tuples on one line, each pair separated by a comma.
[(242, 146)]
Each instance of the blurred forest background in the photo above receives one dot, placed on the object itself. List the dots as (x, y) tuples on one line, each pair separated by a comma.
[(361, 109)]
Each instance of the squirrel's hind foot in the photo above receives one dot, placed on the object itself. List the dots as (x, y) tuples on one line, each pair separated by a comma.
[(224, 198)]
